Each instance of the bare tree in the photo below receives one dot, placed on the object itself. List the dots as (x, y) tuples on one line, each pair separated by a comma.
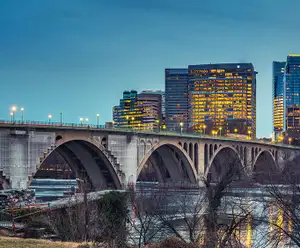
[(187, 208), (285, 209), (144, 225)]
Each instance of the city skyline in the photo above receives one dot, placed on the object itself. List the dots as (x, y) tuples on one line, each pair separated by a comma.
[(75, 64)]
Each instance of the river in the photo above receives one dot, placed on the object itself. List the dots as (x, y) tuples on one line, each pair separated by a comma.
[(252, 205)]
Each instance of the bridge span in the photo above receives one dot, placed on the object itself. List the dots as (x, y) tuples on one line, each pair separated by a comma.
[(112, 158)]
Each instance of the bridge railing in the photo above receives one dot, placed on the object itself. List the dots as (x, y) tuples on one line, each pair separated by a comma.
[(50, 124)]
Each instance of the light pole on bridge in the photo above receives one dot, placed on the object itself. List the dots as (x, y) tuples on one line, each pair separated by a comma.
[(49, 118), (61, 118), (22, 115), (13, 111), (220, 129), (181, 127), (98, 117)]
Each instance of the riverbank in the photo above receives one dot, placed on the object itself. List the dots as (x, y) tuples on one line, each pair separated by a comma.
[(34, 243)]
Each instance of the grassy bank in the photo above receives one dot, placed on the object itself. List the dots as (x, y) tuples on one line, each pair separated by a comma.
[(33, 243)]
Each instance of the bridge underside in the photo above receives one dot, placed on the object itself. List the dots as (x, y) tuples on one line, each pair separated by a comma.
[(226, 167), (80, 159), (167, 164)]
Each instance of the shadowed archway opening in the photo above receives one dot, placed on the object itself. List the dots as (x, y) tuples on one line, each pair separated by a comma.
[(264, 169), (225, 167), (75, 159), (167, 164)]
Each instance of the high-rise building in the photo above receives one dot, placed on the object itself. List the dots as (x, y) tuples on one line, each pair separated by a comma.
[(176, 91), (222, 99), (292, 96), (278, 101), (138, 111), (163, 99)]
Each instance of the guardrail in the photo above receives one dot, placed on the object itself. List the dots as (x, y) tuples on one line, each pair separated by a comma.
[(50, 124)]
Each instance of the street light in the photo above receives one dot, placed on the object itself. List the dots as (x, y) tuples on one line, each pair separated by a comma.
[(87, 120), (61, 118), (204, 127), (97, 116), (290, 140), (235, 130), (81, 120), (158, 126), (49, 118), (11, 116), (181, 126), (13, 110), (249, 132), (22, 114), (220, 129)]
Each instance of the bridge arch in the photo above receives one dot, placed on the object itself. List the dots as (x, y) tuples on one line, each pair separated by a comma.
[(89, 160), (225, 160), (168, 151), (265, 168)]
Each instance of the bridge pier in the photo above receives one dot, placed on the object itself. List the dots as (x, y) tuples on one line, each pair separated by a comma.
[(20, 154)]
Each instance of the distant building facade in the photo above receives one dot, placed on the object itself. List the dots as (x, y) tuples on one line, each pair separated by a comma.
[(138, 111), (222, 99), (292, 97), (278, 98), (163, 99), (176, 92)]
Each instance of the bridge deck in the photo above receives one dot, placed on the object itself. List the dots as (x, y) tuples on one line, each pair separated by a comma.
[(52, 126)]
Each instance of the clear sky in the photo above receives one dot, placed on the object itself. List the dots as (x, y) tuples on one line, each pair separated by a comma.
[(78, 56)]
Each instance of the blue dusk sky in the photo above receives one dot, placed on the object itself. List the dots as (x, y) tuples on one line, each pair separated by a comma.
[(78, 56)]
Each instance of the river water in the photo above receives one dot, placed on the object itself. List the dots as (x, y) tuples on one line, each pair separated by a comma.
[(179, 204)]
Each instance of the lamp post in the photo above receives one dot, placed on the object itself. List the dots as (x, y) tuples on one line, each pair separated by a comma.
[(87, 121), (49, 118), (61, 118), (132, 118), (181, 127), (204, 127), (220, 129), (249, 132), (11, 116), (22, 115), (158, 124), (235, 130), (81, 120), (13, 110), (290, 140), (98, 117)]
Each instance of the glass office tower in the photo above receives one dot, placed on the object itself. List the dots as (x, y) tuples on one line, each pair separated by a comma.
[(138, 111), (176, 92), (292, 95), (222, 99), (278, 101)]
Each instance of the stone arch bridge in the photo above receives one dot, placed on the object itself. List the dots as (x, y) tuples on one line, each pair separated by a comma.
[(112, 158)]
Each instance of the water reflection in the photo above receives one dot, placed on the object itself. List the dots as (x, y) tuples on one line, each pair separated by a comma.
[(265, 224)]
